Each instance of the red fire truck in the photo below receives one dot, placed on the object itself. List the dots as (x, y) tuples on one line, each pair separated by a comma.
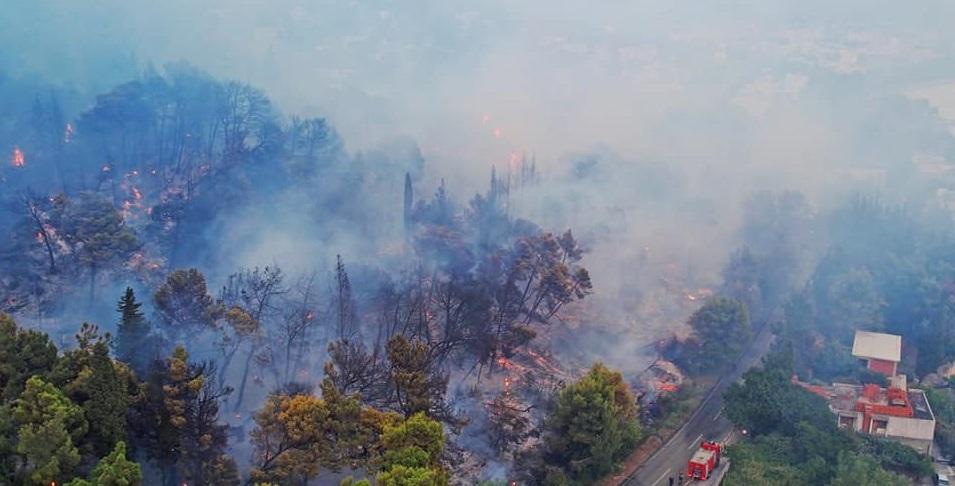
[(704, 460)]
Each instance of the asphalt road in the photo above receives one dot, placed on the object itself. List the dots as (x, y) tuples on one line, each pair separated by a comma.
[(707, 423)]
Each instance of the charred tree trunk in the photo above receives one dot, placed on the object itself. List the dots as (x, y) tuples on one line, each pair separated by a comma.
[(245, 379)]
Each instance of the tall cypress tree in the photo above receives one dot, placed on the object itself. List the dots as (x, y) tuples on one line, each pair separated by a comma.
[(132, 336)]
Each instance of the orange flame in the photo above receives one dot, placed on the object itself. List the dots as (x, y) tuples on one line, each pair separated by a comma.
[(68, 133), (18, 160)]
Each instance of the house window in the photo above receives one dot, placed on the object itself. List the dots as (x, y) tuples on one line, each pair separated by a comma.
[(879, 426), (847, 422)]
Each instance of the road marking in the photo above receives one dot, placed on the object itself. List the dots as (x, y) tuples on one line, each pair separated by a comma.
[(696, 442), (661, 477), (718, 415)]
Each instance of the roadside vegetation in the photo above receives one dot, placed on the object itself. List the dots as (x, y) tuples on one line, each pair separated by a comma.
[(794, 439)]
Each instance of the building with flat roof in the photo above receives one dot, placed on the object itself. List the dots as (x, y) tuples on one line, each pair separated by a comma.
[(894, 412), (881, 352)]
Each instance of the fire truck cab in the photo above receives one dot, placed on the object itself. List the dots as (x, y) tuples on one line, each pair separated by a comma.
[(704, 460)]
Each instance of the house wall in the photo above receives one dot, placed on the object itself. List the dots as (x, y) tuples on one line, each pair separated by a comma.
[(886, 368), (912, 428)]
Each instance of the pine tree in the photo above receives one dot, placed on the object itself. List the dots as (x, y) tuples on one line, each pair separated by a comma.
[(132, 336), (113, 470), (97, 234), (592, 426), (179, 425), (49, 426)]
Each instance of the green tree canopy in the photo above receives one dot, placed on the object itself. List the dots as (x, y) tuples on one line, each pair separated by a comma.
[(412, 450), (49, 426), (113, 470), (722, 328), (23, 353), (768, 401), (184, 304), (860, 470), (95, 230), (592, 426)]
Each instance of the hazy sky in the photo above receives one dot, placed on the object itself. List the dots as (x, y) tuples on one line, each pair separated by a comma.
[(475, 81), (728, 97)]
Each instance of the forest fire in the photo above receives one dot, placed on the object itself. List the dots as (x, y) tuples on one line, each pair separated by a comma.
[(18, 159)]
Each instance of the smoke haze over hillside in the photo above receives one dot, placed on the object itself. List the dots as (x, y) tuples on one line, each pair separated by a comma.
[(652, 121)]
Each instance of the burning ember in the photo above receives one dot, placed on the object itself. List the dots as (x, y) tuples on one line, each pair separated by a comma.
[(497, 133), (106, 168), (68, 133), (18, 160)]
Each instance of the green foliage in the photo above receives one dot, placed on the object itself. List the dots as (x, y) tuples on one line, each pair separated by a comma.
[(721, 328), (184, 304), (859, 470), (795, 440), (854, 303), (133, 344), (116, 470), (762, 462), (943, 405), (92, 380), (178, 425), (767, 401), (898, 457), (95, 230), (833, 360), (49, 425), (936, 342), (412, 449), (401, 475), (592, 426), (416, 387), (8, 431), (108, 400), (349, 481), (23, 353)]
